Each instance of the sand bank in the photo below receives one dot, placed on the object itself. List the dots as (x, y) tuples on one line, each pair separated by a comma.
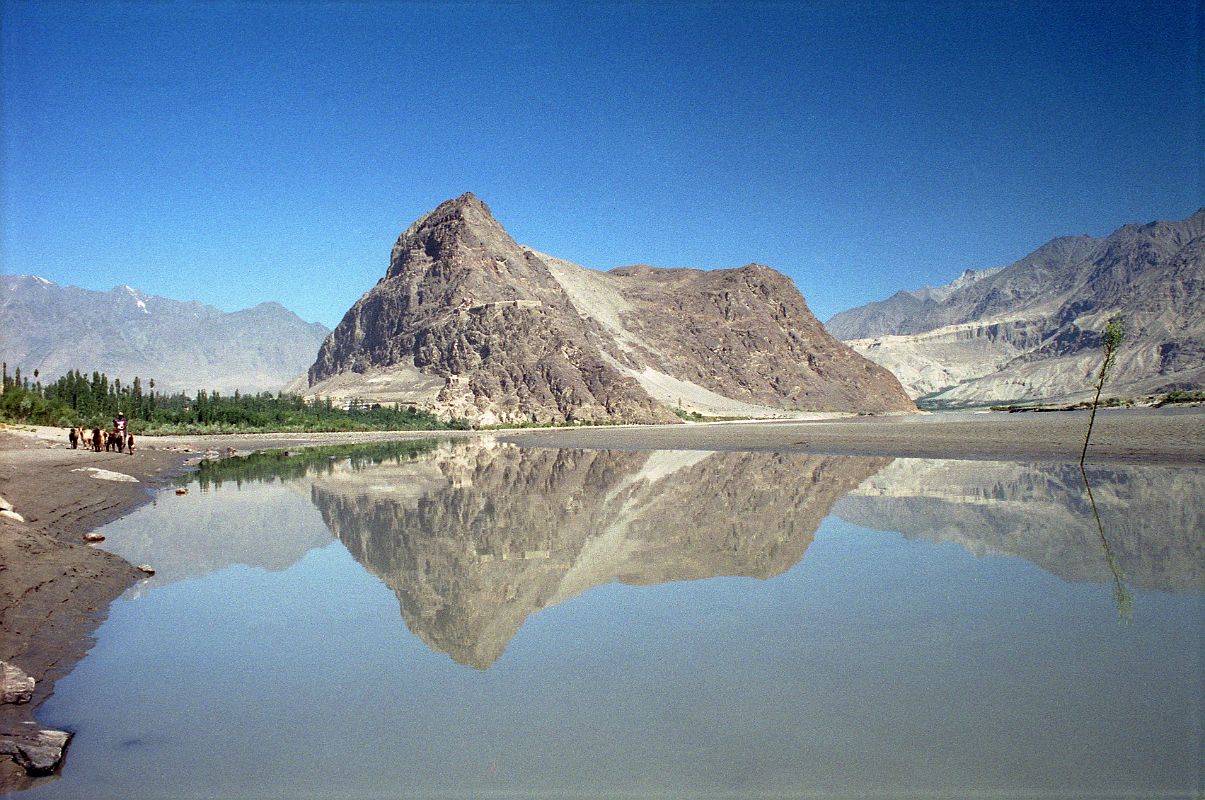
[(1165, 436)]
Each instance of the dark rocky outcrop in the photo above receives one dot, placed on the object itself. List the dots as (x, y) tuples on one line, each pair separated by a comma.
[(469, 323)]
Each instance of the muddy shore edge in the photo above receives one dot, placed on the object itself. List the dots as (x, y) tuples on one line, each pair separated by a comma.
[(55, 589)]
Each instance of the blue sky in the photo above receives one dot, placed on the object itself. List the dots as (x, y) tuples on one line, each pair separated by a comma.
[(240, 152)]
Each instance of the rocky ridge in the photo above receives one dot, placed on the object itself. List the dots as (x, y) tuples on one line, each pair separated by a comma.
[(1031, 331), (469, 323)]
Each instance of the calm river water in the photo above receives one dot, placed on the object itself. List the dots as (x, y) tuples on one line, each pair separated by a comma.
[(479, 620)]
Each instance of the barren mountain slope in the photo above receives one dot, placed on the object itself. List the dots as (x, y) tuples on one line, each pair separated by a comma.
[(469, 323), (1032, 330)]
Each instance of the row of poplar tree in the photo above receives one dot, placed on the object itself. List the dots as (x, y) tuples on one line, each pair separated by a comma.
[(89, 396), (77, 398)]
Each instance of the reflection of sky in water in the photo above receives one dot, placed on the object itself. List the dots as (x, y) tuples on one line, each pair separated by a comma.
[(875, 663)]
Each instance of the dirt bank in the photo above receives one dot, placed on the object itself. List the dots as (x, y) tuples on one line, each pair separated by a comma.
[(54, 588)]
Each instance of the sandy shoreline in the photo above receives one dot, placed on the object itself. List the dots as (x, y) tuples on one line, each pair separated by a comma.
[(55, 589), (1164, 436)]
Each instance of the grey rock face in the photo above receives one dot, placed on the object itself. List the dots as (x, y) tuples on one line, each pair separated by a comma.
[(38, 751), (15, 685), (1032, 331), (469, 323), (903, 311), (124, 333)]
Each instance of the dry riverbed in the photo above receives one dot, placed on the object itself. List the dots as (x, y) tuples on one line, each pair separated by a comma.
[(55, 588)]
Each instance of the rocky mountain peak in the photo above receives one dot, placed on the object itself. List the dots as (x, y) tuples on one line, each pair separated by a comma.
[(457, 228), (469, 323)]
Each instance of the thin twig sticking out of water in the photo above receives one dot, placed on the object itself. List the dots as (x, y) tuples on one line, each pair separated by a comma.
[(1115, 331), (1121, 595)]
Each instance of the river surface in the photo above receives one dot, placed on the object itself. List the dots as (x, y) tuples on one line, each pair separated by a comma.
[(473, 619)]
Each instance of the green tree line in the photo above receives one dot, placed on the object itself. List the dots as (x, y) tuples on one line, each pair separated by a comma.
[(267, 466), (93, 400)]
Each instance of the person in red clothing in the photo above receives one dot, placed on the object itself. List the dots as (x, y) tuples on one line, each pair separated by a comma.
[(119, 431)]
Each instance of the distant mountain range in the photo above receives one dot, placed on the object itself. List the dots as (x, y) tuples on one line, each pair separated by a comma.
[(1031, 331), (468, 323), (183, 346)]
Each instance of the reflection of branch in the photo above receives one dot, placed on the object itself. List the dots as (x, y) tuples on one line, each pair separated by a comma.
[(1121, 595)]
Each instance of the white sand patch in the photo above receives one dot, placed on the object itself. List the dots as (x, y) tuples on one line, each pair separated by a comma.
[(593, 297), (399, 383), (663, 463), (108, 475), (688, 396)]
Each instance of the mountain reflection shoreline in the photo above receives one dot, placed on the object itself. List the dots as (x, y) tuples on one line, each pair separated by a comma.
[(411, 615), (473, 537)]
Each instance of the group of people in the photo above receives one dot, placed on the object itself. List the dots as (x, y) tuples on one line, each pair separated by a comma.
[(98, 439)]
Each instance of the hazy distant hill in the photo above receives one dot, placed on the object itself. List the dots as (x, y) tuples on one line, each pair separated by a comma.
[(902, 311), (1032, 330), (469, 323), (124, 333)]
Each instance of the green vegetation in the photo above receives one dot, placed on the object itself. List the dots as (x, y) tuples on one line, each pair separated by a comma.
[(1179, 396), (1153, 400), (76, 399), (268, 466), (695, 416)]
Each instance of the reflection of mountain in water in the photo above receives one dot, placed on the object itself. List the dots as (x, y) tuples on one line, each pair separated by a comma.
[(477, 536), (1152, 516), (185, 537), (270, 527)]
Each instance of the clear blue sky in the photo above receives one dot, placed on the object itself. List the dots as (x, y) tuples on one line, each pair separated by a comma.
[(240, 152)]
